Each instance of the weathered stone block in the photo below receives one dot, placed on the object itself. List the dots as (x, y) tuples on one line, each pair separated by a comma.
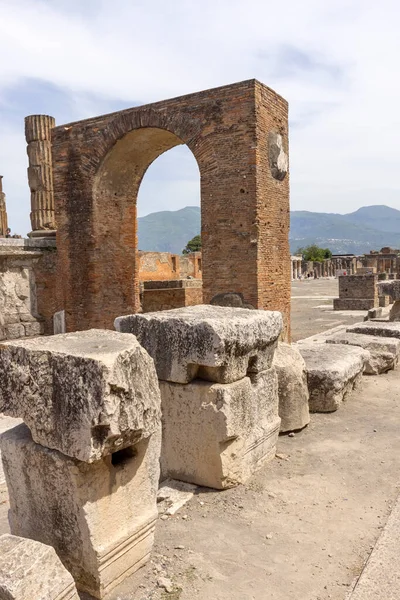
[(384, 352), (86, 394), (30, 570), (293, 390), (99, 517), (214, 343), (380, 328), (332, 373), (217, 435)]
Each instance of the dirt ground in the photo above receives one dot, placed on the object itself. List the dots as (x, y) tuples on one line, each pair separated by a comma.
[(312, 308), (304, 525)]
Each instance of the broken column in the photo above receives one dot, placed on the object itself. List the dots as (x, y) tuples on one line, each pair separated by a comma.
[(40, 174), (83, 470), (219, 390), (30, 570), (3, 210)]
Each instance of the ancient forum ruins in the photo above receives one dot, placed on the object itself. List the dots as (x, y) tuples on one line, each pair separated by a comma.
[(118, 394)]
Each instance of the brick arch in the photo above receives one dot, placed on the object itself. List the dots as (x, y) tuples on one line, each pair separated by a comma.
[(115, 189), (238, 135)]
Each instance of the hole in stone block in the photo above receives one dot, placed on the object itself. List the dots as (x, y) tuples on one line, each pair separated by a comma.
[(123, 456)]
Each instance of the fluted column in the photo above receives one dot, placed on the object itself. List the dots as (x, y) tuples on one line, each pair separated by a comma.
[(40, 174), (3, 210)]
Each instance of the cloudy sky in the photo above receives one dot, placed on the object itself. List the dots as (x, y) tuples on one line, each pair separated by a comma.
[(335, 61)]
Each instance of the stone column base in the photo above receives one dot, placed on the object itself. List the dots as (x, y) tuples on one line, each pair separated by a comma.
[(42, 233), (99, 517)]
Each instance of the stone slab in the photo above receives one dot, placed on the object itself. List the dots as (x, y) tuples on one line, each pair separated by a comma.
[(384, 352), (99, 517), (218, 435), (332, 373), (377, 328), (292, 385), (215, 343), (380, 578), (86, 394), (30, 570)]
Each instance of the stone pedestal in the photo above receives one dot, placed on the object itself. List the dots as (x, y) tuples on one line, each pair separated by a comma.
[(84, 478), (218, 435), (219, 392), (99, 517), (40, 174)]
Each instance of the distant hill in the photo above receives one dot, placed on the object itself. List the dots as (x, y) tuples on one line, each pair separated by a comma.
[(368, 228), (168, 231)]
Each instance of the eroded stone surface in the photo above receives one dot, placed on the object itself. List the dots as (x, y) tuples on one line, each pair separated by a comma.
[(86, 394), (99, 517), (332, 373), (390, 288), (217, 435), (293, 390), (384, 352), (380, 328), (214, 343), (30, 570)]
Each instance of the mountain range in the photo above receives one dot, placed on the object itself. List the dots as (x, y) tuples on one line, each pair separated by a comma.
[(368, 228)]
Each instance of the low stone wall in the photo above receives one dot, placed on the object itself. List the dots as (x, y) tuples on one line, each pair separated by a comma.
[(165, 295)]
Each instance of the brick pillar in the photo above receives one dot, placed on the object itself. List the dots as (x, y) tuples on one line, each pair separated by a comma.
[(3, 210), (40, 174)]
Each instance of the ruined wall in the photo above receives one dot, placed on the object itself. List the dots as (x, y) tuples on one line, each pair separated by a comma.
[(239, 137), (27, 287), (158, 266), (18, 303), (191, 265), (357, 292)]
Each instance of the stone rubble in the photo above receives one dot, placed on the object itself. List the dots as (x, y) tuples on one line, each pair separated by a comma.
[(384, 351)]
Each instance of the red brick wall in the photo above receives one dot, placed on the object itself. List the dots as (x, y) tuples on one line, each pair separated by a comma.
[(99, 164), (165, 299), (157, 266)]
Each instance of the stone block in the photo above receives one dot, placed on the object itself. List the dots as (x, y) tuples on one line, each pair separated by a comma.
[(30, 570), (218, 435), (99, 517), (59, 322), (15, 331), (332, 373), (384, 352), (292, 385), (390, 288), (380, 328), (219, 344), (86, 394), (353, 303), (33, 329)]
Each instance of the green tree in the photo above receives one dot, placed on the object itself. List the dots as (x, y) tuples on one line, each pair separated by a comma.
[(314, 253), (193, 245)]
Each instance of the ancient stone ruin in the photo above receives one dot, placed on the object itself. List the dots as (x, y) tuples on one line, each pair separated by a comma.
[(83, 470), (219, 390)]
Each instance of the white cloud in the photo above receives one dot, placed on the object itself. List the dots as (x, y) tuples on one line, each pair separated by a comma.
[(335, 61)]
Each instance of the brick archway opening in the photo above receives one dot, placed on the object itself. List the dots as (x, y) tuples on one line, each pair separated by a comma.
[(115, 191)]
